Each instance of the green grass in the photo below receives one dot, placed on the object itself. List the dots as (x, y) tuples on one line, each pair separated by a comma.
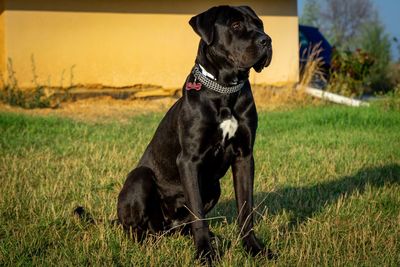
[(327, 190)]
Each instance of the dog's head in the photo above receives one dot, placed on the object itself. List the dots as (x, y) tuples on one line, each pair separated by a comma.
[(235, 33)]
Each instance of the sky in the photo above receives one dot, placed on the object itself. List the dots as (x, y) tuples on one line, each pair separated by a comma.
[(388, 13)]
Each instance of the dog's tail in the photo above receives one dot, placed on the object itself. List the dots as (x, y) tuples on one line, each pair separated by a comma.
[(86, 217), (83, 215)]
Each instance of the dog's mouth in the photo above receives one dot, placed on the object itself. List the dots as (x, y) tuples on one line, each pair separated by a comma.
[(265, 60), (269, 56)]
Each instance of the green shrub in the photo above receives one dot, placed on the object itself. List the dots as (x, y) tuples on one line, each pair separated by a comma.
[(391, 101), (349, 72), (13, 95), (376, 42), (29, 99)]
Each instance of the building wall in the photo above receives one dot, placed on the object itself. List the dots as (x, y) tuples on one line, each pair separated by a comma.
[(126, 42)]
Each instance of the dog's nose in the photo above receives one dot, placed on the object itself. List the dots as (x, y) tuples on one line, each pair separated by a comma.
[(264, 40)]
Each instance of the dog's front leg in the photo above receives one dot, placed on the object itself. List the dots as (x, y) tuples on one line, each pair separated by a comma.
[(243, 176), (188, 171)]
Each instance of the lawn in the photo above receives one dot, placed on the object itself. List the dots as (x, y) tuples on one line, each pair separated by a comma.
[(327, 191)]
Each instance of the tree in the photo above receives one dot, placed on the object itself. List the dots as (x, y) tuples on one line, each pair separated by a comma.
[(396, 41), (311, 13), (344, 19), (340, 21), (376, 42)]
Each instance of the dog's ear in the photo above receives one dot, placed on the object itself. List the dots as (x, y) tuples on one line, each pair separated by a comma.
[(249, 11), (203, 24)]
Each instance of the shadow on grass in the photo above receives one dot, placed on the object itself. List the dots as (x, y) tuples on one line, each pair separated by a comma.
[(304, 201)]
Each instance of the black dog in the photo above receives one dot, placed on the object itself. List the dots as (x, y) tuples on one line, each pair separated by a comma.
[(209, 129)]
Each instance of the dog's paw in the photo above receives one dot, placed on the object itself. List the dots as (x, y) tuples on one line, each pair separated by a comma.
[(83, 215), (220, 244), (206, 255), (271, 255), (255, 248)]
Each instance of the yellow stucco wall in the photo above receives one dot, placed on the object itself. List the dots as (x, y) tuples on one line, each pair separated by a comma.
[(126, 42)]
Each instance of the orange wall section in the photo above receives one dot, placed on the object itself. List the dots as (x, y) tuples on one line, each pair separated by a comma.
[(122, 43)]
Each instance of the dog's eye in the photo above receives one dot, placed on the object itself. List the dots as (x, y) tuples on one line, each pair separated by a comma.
[(236, 26)]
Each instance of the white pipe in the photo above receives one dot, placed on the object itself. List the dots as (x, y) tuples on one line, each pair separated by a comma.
[(335, 98)]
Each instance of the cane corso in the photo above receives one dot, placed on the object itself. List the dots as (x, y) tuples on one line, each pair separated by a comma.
[(210, 128)]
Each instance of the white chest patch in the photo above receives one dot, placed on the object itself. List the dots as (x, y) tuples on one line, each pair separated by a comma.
[(228, 128)]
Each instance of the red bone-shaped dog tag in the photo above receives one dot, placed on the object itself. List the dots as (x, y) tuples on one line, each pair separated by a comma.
[(194, 85)]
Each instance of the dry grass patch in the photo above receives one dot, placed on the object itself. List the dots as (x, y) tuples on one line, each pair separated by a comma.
[(107, 109), (282, 97), (100, 109)]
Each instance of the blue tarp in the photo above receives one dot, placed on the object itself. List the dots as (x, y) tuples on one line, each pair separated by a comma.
[(311, 36)]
